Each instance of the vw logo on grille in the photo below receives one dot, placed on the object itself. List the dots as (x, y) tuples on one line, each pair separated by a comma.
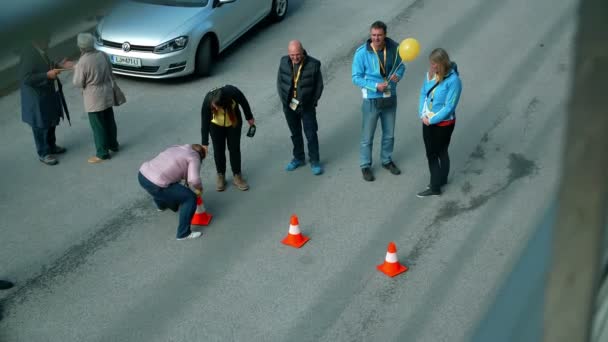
[(126, 47)]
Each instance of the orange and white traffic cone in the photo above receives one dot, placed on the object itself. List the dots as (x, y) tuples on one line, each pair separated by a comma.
[(391, 266), (201, 216), (295, 238)]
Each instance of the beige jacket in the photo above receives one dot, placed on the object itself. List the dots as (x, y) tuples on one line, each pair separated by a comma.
[(93, 74)]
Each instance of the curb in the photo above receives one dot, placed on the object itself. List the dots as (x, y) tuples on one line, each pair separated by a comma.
[(63, 48)]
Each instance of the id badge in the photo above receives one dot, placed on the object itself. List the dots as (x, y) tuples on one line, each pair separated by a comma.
[(294, 104), (55, 85)]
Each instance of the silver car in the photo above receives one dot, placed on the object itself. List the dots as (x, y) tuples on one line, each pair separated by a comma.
[(171, 38)]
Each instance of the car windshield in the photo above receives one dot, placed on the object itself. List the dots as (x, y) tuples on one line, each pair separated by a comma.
[(177, 3)]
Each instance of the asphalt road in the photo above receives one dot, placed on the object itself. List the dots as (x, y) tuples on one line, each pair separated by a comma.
[(94, 261)]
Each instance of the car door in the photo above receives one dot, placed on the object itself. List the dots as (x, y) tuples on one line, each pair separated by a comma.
[(254, 11), (226, 21)]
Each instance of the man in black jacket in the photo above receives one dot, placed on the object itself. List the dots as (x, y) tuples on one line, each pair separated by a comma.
[(300, 85), (41, 97)]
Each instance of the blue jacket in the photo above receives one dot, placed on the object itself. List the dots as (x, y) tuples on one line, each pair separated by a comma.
[(366, 68), (443, 99)]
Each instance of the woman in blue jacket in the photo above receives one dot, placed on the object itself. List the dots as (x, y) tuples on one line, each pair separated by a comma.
[(439, 97)]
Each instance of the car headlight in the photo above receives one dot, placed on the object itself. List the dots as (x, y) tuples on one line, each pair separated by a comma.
[(173, 45)]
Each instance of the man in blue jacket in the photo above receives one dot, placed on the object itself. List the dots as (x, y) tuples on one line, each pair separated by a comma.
[(377, 68)]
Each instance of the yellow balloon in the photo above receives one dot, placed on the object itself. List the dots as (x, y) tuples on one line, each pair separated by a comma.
[(409, 49)]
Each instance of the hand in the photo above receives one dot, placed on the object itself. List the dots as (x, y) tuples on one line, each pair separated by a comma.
[(425, 120), (382, 86), (251, 122), (206, 148), (395, 78), (66, 64), (52, 74)]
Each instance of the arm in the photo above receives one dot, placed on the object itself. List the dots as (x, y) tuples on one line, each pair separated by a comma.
[(79, 77), (279, 80), (194, 170), (422, 99), (205, 121), (319, 84), (358, 74), (450, 104), (240, 99)]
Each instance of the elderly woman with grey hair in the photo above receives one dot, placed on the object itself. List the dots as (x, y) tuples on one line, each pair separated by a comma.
[(93, 73)]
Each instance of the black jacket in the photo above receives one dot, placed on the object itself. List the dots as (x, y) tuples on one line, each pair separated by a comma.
[(40, 102), (206, 116), (310, 84)]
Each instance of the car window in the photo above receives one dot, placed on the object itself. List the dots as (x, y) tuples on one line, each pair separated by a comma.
[(177, 3)]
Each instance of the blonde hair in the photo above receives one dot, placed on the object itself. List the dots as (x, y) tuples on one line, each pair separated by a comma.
[(441, 57)]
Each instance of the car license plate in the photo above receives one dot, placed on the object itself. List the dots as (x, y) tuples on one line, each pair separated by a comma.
[(130, 61)]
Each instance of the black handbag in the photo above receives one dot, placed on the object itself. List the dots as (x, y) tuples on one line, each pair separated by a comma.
[(385, 102)]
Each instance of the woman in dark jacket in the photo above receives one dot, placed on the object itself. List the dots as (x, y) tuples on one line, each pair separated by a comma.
[(221, 118)]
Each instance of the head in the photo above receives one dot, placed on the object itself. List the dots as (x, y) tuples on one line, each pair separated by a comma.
[(377, 34), (219, 100), (295, 50), (86, 42), (201, 151), (440, 63)]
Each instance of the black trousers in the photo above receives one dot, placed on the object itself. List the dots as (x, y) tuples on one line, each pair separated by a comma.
[(232, 136), (45, 140), (307, 120), (436, 142)]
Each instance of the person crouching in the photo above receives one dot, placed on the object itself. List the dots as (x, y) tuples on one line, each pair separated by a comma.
[(161, 178)]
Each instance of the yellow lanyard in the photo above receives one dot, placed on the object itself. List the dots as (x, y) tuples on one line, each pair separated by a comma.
[(382, 65), (296, 78)]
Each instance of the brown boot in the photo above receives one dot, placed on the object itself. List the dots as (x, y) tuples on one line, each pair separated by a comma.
[(220, 185), (240, 183)]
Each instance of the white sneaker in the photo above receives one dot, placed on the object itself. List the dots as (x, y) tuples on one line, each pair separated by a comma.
[(193, 235)]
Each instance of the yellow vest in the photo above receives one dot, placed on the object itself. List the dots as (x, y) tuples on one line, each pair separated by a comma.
[(220, 117)]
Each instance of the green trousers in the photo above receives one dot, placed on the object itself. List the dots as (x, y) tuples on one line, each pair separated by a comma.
[(104, 132)]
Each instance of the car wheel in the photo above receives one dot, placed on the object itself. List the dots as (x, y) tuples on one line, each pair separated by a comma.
[(204, 57), (279, 10)]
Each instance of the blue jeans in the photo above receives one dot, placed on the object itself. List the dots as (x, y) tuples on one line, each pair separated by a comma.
[(173, 196), (45, 140), (368, 128)]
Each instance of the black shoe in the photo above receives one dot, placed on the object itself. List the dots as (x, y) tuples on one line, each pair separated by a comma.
[(5, 284), (368, 175), (428, 192), (392, 168), (58, 150), (49, 160)]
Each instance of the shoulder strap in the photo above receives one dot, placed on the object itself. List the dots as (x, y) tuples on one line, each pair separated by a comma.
[(433, 87)]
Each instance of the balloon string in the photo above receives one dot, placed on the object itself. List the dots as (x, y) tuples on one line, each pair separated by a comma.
[(394, 70)]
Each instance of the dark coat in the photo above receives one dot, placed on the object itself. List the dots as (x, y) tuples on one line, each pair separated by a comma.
[(310, 83), (40, 103), (206, 116)]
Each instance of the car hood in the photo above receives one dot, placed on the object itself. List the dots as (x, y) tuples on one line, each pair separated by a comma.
[(147, 24)]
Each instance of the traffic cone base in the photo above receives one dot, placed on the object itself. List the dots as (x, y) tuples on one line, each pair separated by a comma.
[(202, 219), (392, 270), (295, 241)]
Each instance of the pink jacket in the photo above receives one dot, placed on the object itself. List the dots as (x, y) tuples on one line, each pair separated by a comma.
[(172, 165)]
